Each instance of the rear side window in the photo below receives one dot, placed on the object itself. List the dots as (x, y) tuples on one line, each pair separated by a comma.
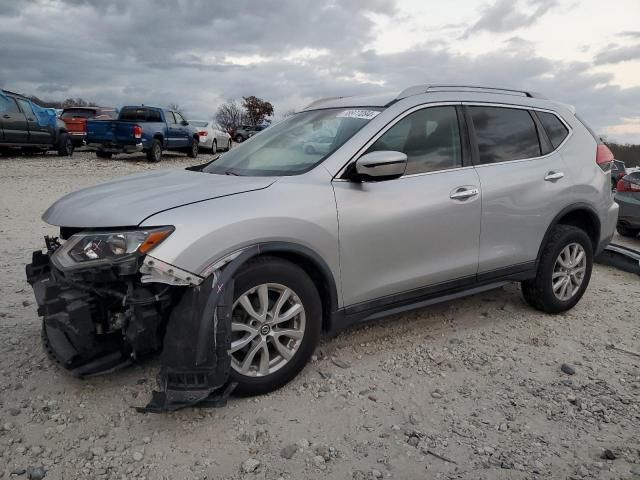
[(25, 106), (8, 105), (556, 131), (169, 117), (429, 137), (504, 134)]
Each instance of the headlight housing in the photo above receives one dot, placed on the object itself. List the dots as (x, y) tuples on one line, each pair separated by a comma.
[(88, 249)]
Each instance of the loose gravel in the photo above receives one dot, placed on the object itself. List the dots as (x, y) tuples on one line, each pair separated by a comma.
[(480, 388)]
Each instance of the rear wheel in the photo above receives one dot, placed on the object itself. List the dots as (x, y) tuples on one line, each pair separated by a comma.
[(214, 147), (563, 272), (229, 145), (276, 322), (154, 154), (65, 145), (626, 231), (101, 154), (193, 149)]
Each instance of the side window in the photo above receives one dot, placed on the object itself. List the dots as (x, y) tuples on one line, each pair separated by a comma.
[(556, 131), (8, 104), (169, 116), (429, 137), (179, 118), (504, 134), (25, 106)]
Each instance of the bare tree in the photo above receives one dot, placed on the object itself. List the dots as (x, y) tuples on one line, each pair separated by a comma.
[(175, 107), (230, 116), (257, 109)]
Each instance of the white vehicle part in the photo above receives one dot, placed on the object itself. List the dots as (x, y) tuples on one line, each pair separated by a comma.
[(157, 271)]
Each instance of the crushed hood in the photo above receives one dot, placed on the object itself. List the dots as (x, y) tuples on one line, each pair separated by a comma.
[(129, 200)]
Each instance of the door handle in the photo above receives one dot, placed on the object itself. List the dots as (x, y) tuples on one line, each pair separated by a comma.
[(6, 116), (553, 176), (463, 193)]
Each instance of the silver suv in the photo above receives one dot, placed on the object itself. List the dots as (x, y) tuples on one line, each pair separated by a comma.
[(234, 269)]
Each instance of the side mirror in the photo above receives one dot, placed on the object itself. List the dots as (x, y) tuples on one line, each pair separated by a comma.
[(184, 123), (381, 165)]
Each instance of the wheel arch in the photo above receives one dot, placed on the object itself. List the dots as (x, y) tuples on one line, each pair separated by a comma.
[(313, 264), (579, 215)]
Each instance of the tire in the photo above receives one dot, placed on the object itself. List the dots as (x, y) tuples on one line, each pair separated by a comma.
[(193, 149), (214, 147), (229, 145), (539, 292), (106, 155), (626, 231), (154, 154), (278, 274), (65, 145), (239, 139)]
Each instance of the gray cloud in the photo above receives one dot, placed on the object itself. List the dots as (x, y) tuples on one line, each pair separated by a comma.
[(109, 53), (618, 54), (506, 15)]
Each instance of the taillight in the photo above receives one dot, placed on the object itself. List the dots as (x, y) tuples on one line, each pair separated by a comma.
[(204, 133), (604, 157), (627, 186), (137, 131)]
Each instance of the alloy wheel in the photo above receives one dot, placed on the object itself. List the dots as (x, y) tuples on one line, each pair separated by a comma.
[(568, 271), (268, 325)]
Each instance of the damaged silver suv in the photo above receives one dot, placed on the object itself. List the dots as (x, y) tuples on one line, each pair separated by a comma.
[(233, 269)]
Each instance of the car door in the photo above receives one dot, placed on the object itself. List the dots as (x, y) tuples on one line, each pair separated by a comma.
[(14, 122), (184, 131), (417, 234), (173, 134), (523, 182), (40, 135)]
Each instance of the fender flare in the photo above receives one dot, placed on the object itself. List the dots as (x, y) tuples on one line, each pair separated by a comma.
[(566, 210)]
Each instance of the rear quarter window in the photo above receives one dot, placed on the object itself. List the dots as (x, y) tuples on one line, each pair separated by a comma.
[(556, 130), (504, 134)]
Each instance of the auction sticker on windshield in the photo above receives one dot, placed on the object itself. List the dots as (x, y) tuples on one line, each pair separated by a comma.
[(364, 114)]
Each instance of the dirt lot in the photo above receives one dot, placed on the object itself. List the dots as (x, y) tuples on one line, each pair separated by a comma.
[(472, 389)]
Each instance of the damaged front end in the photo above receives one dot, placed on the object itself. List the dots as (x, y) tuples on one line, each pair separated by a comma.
[(102, 312)]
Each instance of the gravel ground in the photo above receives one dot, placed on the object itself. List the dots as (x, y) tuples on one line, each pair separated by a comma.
[(473, 389)]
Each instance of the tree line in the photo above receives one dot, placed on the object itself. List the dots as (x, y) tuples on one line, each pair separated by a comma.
[(251, 111)]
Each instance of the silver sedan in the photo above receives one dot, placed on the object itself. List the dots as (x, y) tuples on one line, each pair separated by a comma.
[(211, 137)]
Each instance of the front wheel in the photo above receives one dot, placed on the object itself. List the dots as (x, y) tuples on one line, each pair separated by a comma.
[(193, 149), (65, 145), (276, 323), (564, 271), (239, 138)]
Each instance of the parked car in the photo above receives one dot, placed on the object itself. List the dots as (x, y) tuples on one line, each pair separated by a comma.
[(243, 132), (211, 137), (618, 170), (26, 125), (143, 129), (628, 197), (76, 120), (234, 268), (319, 144)]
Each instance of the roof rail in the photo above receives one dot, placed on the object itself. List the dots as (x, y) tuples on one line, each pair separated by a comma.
[(452, 87)]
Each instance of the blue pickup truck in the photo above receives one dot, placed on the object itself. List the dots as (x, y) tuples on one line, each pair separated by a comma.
[(150, 130)]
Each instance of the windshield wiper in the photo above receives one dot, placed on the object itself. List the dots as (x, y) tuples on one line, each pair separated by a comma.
[(233, 172)]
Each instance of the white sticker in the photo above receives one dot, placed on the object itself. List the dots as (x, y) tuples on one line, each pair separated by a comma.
[(364, 114)]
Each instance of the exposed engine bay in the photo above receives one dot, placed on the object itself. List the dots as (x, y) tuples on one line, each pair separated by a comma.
[(104, 316)]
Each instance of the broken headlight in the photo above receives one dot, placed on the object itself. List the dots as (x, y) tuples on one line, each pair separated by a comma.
[(91, 248)]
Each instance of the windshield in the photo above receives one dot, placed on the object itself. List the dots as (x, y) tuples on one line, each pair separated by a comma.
[(197, 124), (294, 145)]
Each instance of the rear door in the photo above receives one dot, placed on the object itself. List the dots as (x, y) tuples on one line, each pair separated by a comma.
[(404, 238), (40, 135), (523, 182), (14, 122)]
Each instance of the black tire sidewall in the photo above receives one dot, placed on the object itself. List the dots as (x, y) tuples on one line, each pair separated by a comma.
[(155, 152), (214, 147), (565, 237), (272, 270)]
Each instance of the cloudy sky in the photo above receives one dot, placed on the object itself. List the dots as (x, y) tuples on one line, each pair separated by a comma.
[(199, 53)]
